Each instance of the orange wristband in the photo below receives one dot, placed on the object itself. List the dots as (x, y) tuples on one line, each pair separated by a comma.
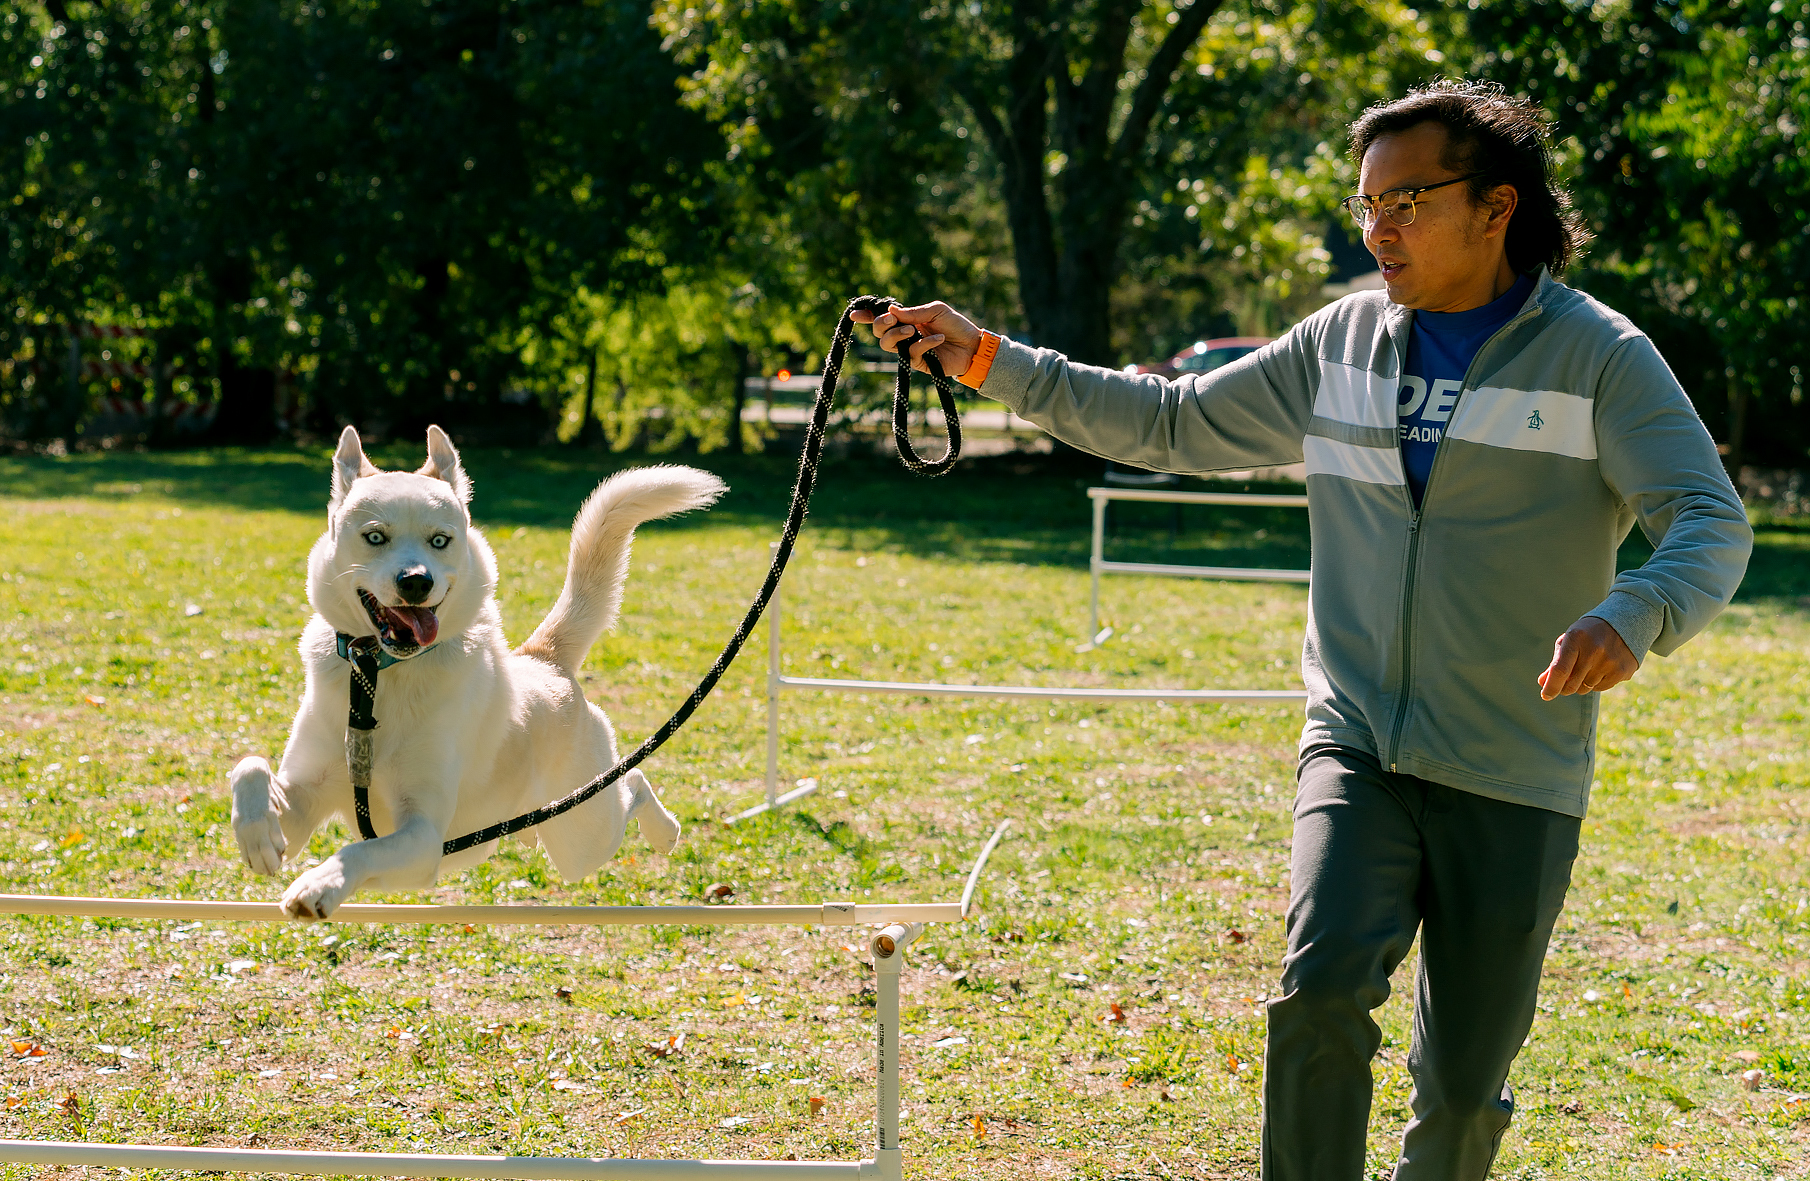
[(983, 360)]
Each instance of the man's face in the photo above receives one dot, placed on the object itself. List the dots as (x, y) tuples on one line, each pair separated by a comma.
[(1451, 257)]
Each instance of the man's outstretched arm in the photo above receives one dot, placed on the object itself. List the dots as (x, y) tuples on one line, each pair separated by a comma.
[(1251, 413)]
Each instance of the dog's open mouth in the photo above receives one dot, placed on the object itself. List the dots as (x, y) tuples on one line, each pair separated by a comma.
[(400, 629)]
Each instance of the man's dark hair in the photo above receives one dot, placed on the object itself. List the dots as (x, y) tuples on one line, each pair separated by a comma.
[(1505, 141)]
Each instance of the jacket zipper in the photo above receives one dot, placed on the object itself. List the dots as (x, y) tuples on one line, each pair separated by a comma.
[(1407, 615), (1414, 515)]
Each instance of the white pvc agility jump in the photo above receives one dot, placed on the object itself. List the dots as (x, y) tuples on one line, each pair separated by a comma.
[(777, 682), (905, 922), (1098, 564)]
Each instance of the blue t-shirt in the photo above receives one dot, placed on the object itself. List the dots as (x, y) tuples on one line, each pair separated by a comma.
[(1440, 350)]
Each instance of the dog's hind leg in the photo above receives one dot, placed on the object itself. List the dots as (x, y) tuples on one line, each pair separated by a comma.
[(659, 827)]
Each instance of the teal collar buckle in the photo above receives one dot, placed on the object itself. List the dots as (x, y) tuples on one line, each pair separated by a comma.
[(344, 642)]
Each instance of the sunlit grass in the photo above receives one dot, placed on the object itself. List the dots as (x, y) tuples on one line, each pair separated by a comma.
[(1147, 867)]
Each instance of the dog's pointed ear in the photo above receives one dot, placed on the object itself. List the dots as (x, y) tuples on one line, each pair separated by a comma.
[(443, 464), (349, 463)]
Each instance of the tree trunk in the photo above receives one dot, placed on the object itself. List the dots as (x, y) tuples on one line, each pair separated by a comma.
[(1735, 453), (738, 398), (63, 409), (248, 405), (590, 427), (1067, 262)]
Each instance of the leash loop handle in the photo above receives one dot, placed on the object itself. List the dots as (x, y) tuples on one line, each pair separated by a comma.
[(901, 397), (808, 461)]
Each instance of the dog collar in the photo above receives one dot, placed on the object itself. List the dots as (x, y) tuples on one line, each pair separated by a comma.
[(344, 643)]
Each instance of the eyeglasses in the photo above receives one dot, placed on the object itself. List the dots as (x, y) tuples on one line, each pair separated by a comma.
[(1397, 204)]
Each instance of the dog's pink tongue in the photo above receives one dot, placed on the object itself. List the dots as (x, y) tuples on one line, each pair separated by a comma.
[(419, 620)]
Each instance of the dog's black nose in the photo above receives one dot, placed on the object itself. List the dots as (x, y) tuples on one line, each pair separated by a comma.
[(416, 584)]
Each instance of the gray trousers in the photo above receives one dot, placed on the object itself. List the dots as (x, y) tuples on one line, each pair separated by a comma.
[(1377, 856)]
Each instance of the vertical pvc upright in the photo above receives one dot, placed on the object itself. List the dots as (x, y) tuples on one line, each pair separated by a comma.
[(1093, 567), (889, 955), (773, 691)]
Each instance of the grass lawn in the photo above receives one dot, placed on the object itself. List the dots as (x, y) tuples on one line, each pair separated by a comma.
[(149, 606)]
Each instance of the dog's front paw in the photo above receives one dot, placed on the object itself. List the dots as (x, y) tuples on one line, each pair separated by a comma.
[(256, 825), (317, 893)]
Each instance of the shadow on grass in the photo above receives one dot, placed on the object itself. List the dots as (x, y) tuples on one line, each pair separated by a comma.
[(1008, 508), (1017, 508)]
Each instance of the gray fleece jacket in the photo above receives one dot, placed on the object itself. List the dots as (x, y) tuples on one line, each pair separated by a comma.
[(1427, 628)]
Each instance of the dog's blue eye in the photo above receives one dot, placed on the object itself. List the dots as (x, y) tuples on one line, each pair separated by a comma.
[(375, 537), (440, 541)]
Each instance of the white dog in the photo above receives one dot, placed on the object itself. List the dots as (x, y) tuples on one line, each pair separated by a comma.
[(469, 733)]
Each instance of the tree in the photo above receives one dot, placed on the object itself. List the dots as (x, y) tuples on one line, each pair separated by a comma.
[(382, 201), (1083, 115), (1686, 122)]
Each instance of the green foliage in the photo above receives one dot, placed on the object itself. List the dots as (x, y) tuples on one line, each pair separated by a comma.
[(1184, 154), (1687, 121), (382, 202)]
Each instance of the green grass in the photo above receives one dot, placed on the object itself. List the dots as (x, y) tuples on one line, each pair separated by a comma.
[(1147, 867)]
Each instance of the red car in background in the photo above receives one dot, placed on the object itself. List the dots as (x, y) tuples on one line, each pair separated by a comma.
[(1204, 356)]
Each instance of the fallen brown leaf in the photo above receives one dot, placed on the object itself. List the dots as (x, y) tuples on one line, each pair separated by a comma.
[(1233, 935), (980, 1126), (564, 994), (1116, 1016), (817, 1102)]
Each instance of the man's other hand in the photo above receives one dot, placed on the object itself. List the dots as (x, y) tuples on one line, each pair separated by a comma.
[(951, 334), (1589, 658)]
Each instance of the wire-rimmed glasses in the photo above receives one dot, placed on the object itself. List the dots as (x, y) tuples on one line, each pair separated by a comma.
[(1397, 204)]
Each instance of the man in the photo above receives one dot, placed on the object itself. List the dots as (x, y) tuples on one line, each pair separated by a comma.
[(1478, 441)]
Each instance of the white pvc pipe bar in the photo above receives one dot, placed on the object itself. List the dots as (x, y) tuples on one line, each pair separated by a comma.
[(829, 914), (1273, 500), (411, 1164), (1098, 565), (1226, 573), (777, 682), (774, 802), (980, 863), (1053, 693)]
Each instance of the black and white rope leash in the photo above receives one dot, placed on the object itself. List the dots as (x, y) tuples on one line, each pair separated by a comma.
[(364, 652)]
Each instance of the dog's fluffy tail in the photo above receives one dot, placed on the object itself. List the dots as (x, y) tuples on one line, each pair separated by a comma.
[(598, 565)]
